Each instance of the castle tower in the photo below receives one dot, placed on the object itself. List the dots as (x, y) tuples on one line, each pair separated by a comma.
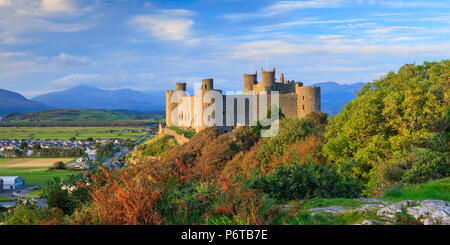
[(181, 87), (207, 84), (249, 81), (172, 107), (308, 100), (282, 78), (268, 77)]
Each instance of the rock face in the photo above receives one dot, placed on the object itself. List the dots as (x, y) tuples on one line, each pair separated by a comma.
[(431, 212), (428, 212), (390, 211)]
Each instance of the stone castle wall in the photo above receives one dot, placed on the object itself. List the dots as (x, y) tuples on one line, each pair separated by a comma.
[(296, 101)]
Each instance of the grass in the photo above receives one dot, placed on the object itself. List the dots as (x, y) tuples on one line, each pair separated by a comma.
[(33, 175), (327, 202), (187, 133), (436, 190), (347, 218), (35, 192), (7, 199), (156, 146), (65, 133)]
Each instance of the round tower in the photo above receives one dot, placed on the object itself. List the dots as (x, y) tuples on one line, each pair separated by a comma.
[(249, 80), (268, 77), (308, 100), (170, 108)]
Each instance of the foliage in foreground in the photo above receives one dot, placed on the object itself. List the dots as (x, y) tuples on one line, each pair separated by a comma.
[(389, 118), (308, 180)]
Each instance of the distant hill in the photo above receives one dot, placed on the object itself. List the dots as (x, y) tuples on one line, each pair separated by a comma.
[(12, 102), (334, 96), (83, 115), (85, 97)]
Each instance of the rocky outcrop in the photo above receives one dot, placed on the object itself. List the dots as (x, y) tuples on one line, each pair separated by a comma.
[(431, 212), (428, 212)]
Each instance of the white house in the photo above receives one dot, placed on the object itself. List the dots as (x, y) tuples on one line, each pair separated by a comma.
[(12, 182)]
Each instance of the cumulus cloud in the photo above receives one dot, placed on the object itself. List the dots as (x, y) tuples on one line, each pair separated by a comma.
[(174, 24)]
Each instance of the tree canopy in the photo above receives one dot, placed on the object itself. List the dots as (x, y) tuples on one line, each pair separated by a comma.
[(391, 116)]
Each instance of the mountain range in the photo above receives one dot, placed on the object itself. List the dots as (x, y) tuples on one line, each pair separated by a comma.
[(86, 97), (334, 96), (15, 102)]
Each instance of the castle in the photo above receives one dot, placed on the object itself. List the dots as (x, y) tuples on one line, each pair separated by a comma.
[(207, 106)]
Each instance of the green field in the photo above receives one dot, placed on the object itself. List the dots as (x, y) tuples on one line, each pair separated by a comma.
[(65, 133), (81, 115), (33, 170)]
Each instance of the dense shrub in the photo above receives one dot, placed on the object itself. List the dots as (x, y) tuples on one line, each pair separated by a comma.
[(32, 215), (58, 165), (142, 195), (392, 116), (64, 196), (290, 131), (299, 181), (428, 165)]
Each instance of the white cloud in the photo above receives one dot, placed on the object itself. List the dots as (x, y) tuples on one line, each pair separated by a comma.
[(410, 4), (58, 5), (110, 80), (4, 3), (172, 24), (266, 48), (305, 22), (78, 79), (281, 7), (284, 6), (11, 54), (391, 29), (27, 16), (71, 60)]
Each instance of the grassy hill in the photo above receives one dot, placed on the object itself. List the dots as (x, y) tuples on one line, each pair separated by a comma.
[(83, 115)]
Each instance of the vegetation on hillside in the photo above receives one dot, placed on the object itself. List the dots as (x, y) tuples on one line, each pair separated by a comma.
[(155, 147), (392, 137), (392, 119)]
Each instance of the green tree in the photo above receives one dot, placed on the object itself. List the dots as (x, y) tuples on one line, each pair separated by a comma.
[(23, 145), (391, 116)]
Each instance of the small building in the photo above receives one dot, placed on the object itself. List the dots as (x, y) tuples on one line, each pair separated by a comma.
[(12, 182)]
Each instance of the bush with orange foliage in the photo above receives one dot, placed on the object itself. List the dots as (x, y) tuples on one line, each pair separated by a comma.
[(123, 197), (311, 147)]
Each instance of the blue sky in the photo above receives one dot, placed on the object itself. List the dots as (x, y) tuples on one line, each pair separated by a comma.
[(51, 45)]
